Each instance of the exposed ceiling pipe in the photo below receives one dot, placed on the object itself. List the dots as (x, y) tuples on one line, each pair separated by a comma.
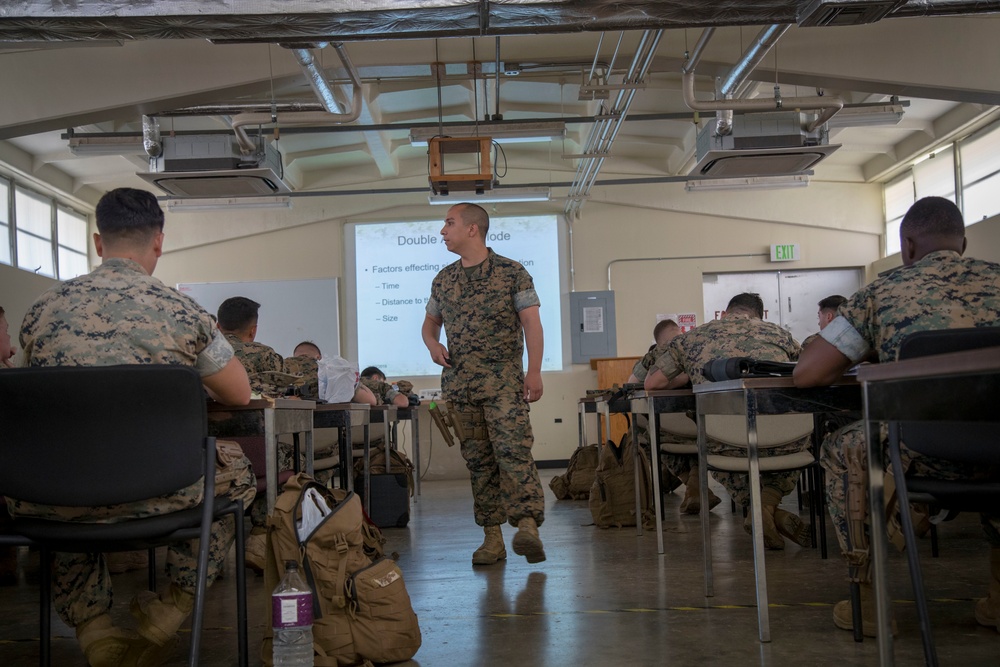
[(151, 136), (317, 80), (609, 121), (240, 121), (829, 105), (754, 54)]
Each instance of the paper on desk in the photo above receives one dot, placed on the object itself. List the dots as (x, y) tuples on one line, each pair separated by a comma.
[(314, 510)]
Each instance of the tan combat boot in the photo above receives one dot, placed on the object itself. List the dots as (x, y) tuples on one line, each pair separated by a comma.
[(103, 644), (842, 613), (256, 550), (159, 619), (692, 494), (769, 499), (527, 543), (988, 609), (492, 548)]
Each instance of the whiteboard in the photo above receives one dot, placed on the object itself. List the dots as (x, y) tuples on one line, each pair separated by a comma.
[(291, 311)]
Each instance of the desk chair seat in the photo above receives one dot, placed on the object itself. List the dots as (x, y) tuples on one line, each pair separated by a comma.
[(772, 431), (973, 444), (125, 434)]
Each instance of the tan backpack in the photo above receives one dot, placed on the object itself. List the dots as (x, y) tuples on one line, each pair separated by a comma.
[(575, 483), (361, 610), (612, 496)]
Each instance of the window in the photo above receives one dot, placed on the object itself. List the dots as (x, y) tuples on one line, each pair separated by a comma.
[(71, 230), (5, 247), (935, 176), (898, 199), (33, 222), (42, 236), (980, 155)]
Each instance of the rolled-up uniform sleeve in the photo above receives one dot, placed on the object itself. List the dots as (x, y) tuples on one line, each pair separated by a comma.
[(215, 356), (670, 363), (846, 339)]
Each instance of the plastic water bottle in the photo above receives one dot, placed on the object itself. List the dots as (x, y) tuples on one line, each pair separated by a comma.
[(291, 620)]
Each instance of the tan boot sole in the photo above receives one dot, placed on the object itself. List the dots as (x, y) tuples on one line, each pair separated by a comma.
[(843, 620), (792, 527), (480, 557), (528, 545)]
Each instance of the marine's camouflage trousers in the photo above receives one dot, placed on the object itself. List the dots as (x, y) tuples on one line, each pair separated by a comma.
[(81, 583), (737, 484), (505, 483), (851, 440)]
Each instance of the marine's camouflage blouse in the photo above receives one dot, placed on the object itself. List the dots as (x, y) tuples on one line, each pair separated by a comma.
[(309, 370), (119, 314), (480, 317), (737, 335), (383, 390), (641, 368), (942, 290)]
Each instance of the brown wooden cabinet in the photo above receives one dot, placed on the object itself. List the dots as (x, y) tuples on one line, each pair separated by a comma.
[(612, 371)]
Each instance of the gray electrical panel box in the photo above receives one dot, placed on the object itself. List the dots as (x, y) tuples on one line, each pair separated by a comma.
[(592, 325)]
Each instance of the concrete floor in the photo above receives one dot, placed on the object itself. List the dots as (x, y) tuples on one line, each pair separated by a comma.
[(603, 597)]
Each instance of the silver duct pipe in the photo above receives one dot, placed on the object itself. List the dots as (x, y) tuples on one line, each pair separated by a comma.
[(317, 80), (753, 56), (248, 146), (151, 136), (830, 105)]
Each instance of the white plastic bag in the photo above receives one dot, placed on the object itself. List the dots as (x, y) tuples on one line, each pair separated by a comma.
[(338, 379), (314, 510)]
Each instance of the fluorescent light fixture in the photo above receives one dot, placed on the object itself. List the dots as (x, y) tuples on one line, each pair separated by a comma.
[(748, 183), (882, 114), (505, 194), (106, 146), (226, 204), (503, 133)]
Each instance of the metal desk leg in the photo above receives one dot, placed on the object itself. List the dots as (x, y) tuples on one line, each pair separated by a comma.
[(706, 535), (310, 454), (581, 418), (416, 448), (654, 455), (760, 571), (271, 458), (880, 564), (367, 483), (346, 454), (637, 478)]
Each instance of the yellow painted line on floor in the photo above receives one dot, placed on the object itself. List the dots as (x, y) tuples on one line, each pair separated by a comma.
[(654, 610)]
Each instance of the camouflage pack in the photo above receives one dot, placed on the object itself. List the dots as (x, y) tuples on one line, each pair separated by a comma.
[(612, 496), (575, 483)]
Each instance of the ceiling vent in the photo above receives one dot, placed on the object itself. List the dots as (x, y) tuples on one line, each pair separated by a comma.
[(211, 165), (760, 144), (822, 13)]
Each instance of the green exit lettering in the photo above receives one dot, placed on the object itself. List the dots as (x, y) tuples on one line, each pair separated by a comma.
[(784, 253)]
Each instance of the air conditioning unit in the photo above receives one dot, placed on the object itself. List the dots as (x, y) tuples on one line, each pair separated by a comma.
[(211, 165), (844, 12), (760, 144)]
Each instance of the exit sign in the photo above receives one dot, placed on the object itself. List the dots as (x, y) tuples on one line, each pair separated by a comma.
[(785, 253)]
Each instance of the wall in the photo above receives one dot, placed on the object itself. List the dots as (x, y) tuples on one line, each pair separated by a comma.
[(983, 243), (617, 223), (18, 290)]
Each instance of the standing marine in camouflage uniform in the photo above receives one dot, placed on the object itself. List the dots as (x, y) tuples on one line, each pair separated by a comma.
[(120, 314), (485, 301), (936, 289), (741, 332)]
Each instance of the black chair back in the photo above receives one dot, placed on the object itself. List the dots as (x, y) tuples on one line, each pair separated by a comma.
[(87, 436), (968, 442)]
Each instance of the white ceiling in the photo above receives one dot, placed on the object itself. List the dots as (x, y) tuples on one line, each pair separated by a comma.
[(941, 66)]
